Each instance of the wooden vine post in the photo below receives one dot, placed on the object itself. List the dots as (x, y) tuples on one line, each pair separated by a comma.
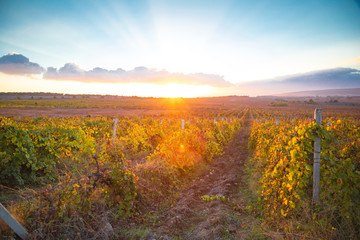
[(317, 152), (12, 223), (115, 124)]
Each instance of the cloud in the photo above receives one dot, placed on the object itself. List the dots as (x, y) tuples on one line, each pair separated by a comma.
[(17, 64), (336, 78), (72, 72)]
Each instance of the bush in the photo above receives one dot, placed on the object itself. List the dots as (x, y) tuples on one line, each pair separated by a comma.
[(30, 154), (283, 156)]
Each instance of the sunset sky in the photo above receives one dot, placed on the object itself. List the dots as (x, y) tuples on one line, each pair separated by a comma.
[(170, 48)]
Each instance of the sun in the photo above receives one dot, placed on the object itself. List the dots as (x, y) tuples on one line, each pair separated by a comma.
[(181, 90), (171, 90)]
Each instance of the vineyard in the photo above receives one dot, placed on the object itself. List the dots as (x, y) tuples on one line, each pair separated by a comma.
[(283, 167), (156, 176)]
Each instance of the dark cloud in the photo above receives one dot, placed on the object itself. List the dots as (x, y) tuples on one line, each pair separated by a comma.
[(336, 78), (17, 64), (73, 72)]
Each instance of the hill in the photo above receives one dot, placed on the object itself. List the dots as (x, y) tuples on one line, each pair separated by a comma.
[(348, 92)]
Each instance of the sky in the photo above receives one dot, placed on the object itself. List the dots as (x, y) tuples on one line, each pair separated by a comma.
[(170, 48)]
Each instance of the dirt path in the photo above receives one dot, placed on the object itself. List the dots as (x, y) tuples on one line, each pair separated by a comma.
[(193, 218)]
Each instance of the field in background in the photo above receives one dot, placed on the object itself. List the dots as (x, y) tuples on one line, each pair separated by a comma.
[(59, 105)]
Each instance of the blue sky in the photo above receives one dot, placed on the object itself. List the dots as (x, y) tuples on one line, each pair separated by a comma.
[(236, 40)]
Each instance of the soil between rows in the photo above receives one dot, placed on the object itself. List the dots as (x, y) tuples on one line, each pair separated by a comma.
[(193, 218)]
